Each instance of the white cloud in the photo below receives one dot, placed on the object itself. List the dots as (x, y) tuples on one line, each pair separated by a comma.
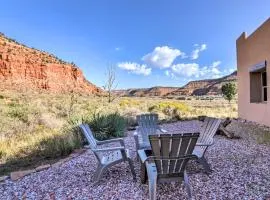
[(231, 70), (197, 50), (211, 71), (189, 69), (194, 70), (169, 74), (162, 57), (216, 64), (135, 68)]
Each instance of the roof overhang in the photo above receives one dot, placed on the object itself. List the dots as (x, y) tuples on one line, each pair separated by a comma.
[(259, 67)]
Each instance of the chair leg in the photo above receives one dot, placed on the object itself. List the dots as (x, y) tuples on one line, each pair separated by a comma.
[(137, 157), (130, 162), (205, 164), (152, 188), (187, 186), (98, 173), (143, 173)]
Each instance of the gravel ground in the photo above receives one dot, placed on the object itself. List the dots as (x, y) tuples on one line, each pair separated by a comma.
[(241, 171)]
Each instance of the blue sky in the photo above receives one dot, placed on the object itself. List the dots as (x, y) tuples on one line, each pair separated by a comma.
[(150, 43)]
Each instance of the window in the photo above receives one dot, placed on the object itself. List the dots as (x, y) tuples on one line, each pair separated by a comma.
[(258, 83), (264, 86)]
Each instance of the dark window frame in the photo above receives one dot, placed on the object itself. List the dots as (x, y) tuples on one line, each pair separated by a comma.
[(264, 86)]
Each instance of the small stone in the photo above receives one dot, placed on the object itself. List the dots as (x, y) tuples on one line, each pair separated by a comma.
[(43, 167), (19, 174), (60, 162), (3, 178), (74, 155), (56, 165), (79, 151)]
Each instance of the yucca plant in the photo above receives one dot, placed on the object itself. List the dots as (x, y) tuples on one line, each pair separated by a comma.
[(104, 126), (107, 126)]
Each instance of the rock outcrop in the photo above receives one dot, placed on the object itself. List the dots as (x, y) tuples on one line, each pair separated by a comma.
[(193, 88), (146, 92), (24, 68), (205, 87)]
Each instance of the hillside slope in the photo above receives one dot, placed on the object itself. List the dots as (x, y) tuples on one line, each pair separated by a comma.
[(196, 88), (146, 92), (23, 68), (205, 87)]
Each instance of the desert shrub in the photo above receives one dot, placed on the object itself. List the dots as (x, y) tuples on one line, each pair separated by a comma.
[(12, 104), (19, 112), (59, 145), (128, 102), (103, 125), (172, 109), (28, 149), (229, 91), (107, 126), (48, 120), (163, 106), (181, 98), (130, 115), (2, 97), (264, 138), (2, 154)]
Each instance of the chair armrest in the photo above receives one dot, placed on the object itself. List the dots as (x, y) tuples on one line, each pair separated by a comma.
[(121, 140), (109, 149), (142, 155), (136, 138), (203, 144), (162, 130), (135, 134)]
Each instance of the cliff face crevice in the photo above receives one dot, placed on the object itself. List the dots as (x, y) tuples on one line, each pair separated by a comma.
[(26, 68)]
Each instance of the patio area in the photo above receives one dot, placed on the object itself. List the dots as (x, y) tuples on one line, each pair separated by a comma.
[(241, 170)]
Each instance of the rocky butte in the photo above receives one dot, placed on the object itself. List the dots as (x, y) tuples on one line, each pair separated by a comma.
[(193, 88), (24, 68)]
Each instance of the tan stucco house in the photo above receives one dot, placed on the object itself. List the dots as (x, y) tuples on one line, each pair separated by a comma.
[(253, 71)]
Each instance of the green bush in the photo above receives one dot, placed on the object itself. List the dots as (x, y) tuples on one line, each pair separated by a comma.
[(229, 91), (107, 126), (59, 145), (104, 126), (173, 110), (20, 113)]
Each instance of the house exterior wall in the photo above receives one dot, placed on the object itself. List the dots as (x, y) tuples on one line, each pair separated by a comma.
[(250, 51)]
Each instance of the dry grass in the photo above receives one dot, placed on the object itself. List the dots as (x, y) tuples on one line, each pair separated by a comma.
[(32, 124)]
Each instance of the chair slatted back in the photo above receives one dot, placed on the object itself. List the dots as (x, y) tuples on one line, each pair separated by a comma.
[(89, 136), (91, 140), (148, 124), (208, 130), (171, 152)]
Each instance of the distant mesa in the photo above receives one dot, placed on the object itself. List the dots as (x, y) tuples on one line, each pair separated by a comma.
[(193, 88), (23, 68)]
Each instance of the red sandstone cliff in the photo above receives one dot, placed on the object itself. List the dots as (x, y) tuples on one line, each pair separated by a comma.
[(22, 67)]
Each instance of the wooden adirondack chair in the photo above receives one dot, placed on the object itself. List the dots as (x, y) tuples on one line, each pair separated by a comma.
[(147, 125), (170, 154), (107, 157), (206, 139)]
